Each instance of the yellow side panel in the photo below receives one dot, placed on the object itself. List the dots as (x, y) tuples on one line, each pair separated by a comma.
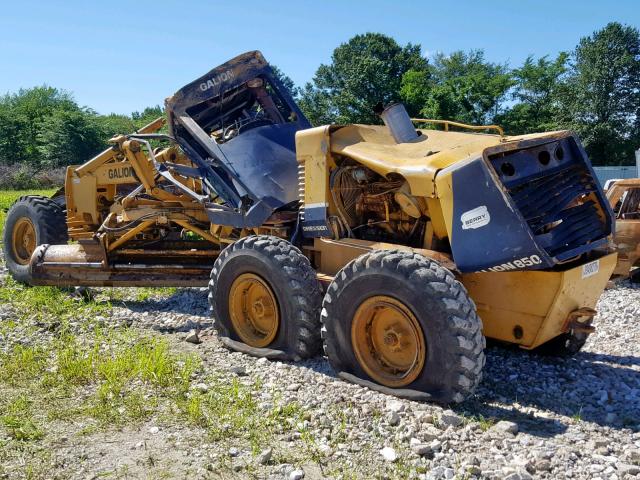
[(312, 152), (115, 174), (444, 194), (84, 196), (536, 301), (417, 161), (335, 254)]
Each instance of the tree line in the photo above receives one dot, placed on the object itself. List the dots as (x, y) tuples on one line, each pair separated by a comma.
[(44, 127), (593, 90)]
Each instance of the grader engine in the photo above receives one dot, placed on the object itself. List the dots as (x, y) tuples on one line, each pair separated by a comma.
[(370, 204), (395, 249)]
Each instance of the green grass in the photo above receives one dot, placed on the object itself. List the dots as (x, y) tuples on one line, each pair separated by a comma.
[(485, 423), (577, 417), (120, 369), (7, 197), (146, 293), (72, 367), (18, 420), (52, 303), (229, 410)]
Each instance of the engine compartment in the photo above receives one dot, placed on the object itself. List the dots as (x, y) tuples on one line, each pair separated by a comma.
[(372, 207)]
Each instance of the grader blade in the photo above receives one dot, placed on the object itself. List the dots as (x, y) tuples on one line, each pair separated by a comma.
[(71, 265)]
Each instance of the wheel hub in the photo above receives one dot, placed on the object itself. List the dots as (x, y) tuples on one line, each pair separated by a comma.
[(253, 310), (391, 339), (258, 308), (23, 240), (388, 341)]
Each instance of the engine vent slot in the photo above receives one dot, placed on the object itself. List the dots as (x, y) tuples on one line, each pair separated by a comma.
[(301, 189)]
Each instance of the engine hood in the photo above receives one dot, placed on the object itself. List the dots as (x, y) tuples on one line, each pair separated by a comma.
[(418, 161)]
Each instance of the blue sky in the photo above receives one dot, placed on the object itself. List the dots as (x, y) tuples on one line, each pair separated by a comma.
[(120, 56)]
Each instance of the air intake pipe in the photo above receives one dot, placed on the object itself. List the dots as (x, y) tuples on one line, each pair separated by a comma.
[(397, 120)]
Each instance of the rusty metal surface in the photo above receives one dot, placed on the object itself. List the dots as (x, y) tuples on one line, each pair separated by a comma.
[(624, 199), (580, 321), (332, 255), (71, 265)]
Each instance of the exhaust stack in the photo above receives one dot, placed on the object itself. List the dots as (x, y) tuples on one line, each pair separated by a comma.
[(397, 120)]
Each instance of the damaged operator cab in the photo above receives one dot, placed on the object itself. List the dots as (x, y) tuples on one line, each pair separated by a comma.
[(238, 123)]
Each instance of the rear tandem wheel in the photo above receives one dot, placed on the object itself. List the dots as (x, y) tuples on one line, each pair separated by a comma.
[(266, 299), (401, 320)]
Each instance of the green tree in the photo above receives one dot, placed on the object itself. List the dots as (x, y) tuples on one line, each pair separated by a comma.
[(43, 127), (415, 89), (12, 139), (115, 124), (364, 71), (69, 138), (148, 115), (537, 84), (287, 82), (462, 86), (318, 106), (601, 100), (21, 119)]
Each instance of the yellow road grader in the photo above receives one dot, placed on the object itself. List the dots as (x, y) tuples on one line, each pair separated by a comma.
[(386, 244)]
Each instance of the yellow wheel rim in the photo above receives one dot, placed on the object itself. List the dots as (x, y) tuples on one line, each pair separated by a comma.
[(254, 310), (23, 240), (388, 341)]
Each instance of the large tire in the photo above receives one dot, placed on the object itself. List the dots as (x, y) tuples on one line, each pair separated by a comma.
[(419, 289), (31, 221), (286, 279)]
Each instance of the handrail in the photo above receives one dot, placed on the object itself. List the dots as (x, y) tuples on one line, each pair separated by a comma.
[(446, 124)]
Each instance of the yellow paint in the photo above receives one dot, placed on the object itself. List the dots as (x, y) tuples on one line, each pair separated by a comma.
[(130, 234), (335, 254), (536, 301), (466, 126), (444, 202), (388, 341), (116, 173), (253, 310), (312, 152), (83, 191), (417, 161)]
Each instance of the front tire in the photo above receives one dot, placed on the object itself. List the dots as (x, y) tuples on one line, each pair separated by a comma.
[(401, 320), (264, 293), (31, 221)]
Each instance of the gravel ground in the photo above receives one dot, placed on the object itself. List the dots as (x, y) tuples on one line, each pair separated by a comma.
[(532, 416)]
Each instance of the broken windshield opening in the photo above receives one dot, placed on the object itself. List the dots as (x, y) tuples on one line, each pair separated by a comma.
[(253, 104)]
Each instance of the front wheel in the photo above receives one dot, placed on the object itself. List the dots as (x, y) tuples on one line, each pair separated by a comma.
[(401, 320), (31, 221)]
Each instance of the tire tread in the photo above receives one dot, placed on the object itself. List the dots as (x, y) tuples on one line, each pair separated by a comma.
[(464, 332), (301, 281)]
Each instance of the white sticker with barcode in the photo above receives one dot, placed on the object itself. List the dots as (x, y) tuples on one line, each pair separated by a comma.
[(590, 269)]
